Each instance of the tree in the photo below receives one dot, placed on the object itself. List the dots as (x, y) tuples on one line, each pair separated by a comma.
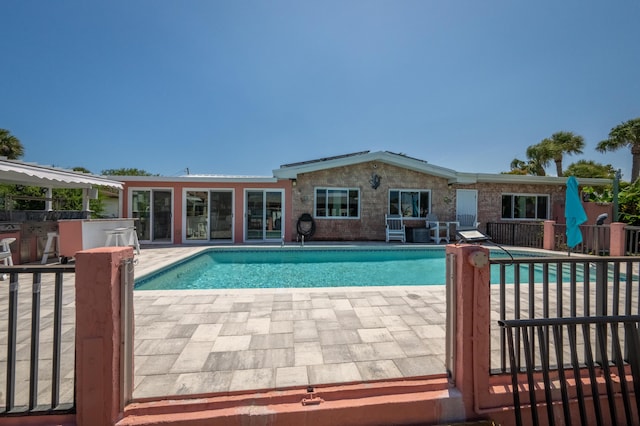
[(590, 169), (626, 134), (10, 145), (559, 144), (126, 172)]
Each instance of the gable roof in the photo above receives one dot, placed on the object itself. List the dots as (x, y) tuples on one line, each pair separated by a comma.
[(291, 171), (21, 173)]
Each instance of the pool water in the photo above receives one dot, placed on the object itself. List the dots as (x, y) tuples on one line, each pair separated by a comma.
[(307, 268)]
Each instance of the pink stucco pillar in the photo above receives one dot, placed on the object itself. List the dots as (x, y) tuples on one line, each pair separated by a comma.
[(617, 239), (472, 313), (98, 332), (548, 242)]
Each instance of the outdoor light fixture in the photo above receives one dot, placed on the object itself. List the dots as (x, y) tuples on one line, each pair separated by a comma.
[(472, 236)]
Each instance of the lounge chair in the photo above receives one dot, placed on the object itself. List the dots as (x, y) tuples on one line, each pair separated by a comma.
[(394, 228)]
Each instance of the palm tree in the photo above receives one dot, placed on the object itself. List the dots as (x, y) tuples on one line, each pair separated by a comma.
[(625, 134), (539, 157), (10, 145), (559, 144)]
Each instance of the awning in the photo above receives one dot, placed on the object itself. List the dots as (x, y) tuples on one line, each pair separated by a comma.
[(21, 173)]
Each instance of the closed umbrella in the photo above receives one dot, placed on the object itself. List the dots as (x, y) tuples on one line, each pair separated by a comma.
[(573, 213)]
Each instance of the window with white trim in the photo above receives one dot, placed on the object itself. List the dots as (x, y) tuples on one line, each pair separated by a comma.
[(337, 202), (409, 202), (525, 206)]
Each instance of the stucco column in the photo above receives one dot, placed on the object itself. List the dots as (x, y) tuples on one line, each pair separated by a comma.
[(98, 333), (617, 239), (548, 242), (472, 316)]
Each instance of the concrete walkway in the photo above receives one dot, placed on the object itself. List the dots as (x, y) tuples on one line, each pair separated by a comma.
[(201, 341)]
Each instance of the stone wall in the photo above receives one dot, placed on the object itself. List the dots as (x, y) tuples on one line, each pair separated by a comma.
[(374, 202)]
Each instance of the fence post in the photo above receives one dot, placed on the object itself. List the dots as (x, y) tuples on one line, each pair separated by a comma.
[(617, 242), (98, 335), (549, 238), (470, 277)]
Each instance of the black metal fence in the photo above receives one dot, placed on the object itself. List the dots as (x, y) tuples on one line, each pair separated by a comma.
[(632, 240), (576, 355), (37, 334), (516, 233), (574, 286)]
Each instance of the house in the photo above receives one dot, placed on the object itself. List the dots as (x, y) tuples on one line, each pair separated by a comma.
[(346, 196)]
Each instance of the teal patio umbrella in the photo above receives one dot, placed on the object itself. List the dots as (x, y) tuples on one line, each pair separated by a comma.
[(573, 213)]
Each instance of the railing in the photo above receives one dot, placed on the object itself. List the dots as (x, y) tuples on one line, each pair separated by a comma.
[(39, 341), (578, 368), (632, 240), (516, 233), (566, 287), (595, 239)]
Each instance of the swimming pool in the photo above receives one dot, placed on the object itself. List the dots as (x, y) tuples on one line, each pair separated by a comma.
[(306, 268)]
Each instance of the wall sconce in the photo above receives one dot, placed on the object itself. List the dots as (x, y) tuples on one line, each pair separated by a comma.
[(374, 181), (294, 182)]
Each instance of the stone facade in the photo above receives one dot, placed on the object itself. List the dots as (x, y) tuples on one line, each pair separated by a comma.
[(374, 203)]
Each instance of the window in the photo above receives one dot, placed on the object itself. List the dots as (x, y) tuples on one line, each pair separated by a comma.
[(337, 202), (525, 206), (409, 203)]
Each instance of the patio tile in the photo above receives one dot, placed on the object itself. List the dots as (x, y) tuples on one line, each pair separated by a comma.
[(182, 330), (322, 314), (147, 365), (291, 376), (271, 341), (231, 343), (202, 382), (373, 311), (158, 330), (304, 330), (421, 366), (394, 323), (258, 325), (370, 335), (192, 358), (334, 373), (206, 332), (277, 327), (377, 370), (280, 357), (336, 354), (156, 385), (261, 378), (429, 331), (307, 353), (338, 337), (233, 329), (219, 361), (160, 346)]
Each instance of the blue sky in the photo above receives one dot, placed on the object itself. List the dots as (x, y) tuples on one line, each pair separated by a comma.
[(241, 87)]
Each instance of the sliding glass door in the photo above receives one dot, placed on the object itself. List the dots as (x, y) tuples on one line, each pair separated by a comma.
[(152, 208), (221, 216), (263, 215)]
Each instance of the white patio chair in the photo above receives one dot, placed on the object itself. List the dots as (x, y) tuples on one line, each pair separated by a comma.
[(395, 229), (465, 221), (436, 228)]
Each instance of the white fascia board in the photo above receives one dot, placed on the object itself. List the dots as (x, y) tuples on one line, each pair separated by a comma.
[(469, 178), (201, 179)]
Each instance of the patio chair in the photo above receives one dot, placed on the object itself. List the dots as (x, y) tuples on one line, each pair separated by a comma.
[(465, 221), (394, 228), (436, 228)]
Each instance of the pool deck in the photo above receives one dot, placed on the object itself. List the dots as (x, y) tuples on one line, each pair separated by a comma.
[(203, 341)]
